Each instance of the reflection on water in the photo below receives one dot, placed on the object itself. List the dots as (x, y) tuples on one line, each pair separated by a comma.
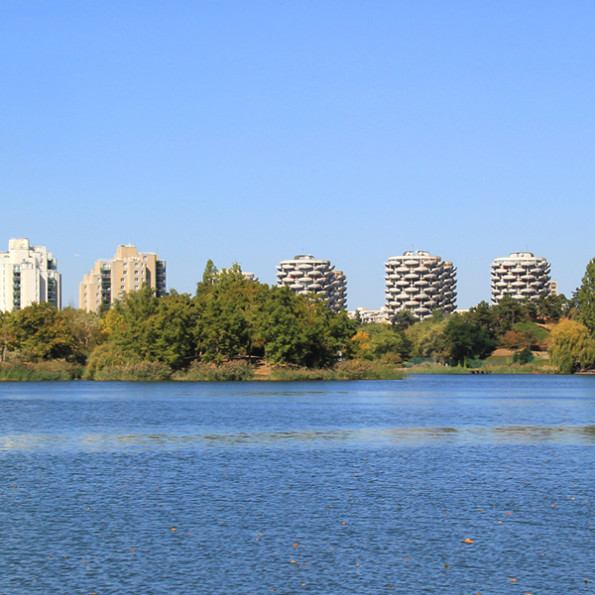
[(319, 438)]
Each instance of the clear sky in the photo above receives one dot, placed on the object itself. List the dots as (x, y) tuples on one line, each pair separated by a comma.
[(252, 131)]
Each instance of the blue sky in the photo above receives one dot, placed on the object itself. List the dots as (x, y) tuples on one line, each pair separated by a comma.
[(255, 131)]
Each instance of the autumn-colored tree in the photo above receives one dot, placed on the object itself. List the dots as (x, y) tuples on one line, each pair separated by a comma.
[(514, 340), (571, 347)]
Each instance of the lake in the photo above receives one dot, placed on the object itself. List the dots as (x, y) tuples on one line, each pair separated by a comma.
[(431, 484)]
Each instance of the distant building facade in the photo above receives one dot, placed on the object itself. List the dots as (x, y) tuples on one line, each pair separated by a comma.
[(128, 271), (368, 316), (420, 283), (28, 274), (520, 276), (306, 274)]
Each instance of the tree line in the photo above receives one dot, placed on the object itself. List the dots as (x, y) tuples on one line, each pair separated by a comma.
[(230, 317)]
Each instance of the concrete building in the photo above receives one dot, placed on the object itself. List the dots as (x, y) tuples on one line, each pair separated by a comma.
[(420, 283), (128, 271), (306, 274), (368, 316), (521, 276), (28, 274)]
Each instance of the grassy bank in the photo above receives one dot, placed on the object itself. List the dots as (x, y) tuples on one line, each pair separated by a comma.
[(53, 370), (233, 371), (241, 371), (491, 366), (350, 370)]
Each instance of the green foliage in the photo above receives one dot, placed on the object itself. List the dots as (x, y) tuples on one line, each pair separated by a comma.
[(571, 347), (229, 306), (139, 372), (551, 308), (466, 341), (232, 371), (385, 341), (403, 319), (534, 333), (42, 333), (86, 332), (506, 314), (109, 355), (349, 370), (302, 330), (54, 370), (523, 357), (427, 338), (586, 298), (154, 329)]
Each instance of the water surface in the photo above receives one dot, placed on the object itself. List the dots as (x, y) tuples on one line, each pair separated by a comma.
[(319, 487)]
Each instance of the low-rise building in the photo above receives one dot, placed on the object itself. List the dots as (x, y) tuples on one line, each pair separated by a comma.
[(367, 316)]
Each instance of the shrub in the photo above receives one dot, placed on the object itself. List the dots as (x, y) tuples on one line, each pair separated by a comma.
[(51, 370), (348, 370), (134, 372), (231, 371)]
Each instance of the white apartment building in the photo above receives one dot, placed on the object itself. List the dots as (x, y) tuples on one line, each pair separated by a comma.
[(368, 316), (28, 274), (420, 283), (128, 271), (521, 276), (306, 274)]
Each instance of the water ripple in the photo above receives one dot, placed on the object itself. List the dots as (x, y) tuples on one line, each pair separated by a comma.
[(329, 436)]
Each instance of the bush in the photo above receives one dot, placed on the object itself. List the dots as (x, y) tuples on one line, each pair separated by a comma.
[(523, 357), (348, 370), (51, 370), (134, 372), (232, 371)]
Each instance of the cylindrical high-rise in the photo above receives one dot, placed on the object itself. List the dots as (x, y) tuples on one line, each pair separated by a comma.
[(420, 283), (306, 274), (521, 276)]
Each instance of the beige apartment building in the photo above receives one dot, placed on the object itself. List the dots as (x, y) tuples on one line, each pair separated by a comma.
[(128, 271)]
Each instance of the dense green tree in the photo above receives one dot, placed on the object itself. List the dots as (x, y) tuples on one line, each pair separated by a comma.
[(173, 330), (466, 340), (550, 308), (586, 298), (404, 319), (229, 306), (507, 312), (302, 330), (7, 334), (42, 333), (86, 331), (385, 340), (131, 322), (427, 338)]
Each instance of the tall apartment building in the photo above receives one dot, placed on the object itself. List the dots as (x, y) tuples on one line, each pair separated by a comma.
[(306, 274), (128, 271), (28, 274), (420, 283), (521, 276)]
